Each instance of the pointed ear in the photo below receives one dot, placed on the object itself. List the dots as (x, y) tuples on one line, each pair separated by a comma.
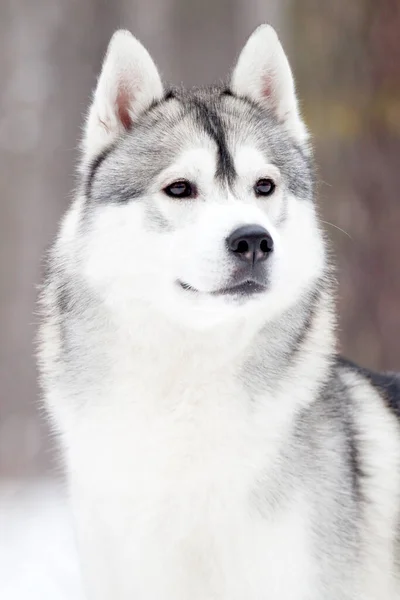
[(128, 84), (263, 75)]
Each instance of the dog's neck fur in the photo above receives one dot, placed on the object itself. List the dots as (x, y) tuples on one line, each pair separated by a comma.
[(152, 345)]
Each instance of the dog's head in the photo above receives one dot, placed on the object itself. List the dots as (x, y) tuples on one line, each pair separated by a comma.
[(199, 203)]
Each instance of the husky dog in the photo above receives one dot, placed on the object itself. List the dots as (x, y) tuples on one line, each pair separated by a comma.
[(216, 446)]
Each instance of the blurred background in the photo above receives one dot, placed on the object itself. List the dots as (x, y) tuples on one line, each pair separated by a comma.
[(346, 59)]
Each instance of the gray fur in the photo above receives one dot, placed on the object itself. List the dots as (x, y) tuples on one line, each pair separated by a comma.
[(280, 341), (126, 171)]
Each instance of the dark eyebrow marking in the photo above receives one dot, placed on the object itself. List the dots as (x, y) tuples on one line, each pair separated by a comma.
[(95, 164), (209, 120)]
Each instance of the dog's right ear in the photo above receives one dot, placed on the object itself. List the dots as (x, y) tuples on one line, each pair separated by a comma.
[(128, 84)]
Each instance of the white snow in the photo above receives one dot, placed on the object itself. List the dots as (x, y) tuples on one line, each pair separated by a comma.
[(37, 549)]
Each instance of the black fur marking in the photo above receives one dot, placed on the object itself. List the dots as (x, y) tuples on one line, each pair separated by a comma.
[(387, 384), (213, 126), (94, 166), (340, 411), (227, 92), (294, 160), (169, 95), (354, 459)]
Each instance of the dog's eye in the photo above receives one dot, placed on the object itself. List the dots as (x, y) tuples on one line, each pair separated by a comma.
[(264, 187), (180, 189)]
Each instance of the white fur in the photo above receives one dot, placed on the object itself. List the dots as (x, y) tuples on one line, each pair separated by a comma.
[(379, 436), (181, 524), (263, 74), (196, 252), (129, 82)]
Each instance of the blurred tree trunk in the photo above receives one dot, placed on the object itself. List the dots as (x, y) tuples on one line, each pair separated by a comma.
[(49, 51), (348, 68)]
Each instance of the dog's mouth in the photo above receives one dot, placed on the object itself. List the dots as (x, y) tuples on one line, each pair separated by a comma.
[(246, 288)]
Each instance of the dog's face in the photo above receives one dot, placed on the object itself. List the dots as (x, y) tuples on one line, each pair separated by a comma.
[(199, 204)]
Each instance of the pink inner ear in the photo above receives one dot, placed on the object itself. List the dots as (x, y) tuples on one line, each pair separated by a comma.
[(124, 101), (267, 88)]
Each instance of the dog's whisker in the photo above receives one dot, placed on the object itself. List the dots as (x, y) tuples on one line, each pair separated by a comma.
[(337, 227)]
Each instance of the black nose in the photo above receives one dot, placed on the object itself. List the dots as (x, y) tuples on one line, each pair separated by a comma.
[(250, 243)]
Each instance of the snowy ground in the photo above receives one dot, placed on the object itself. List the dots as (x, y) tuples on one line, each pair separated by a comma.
[(37, 554)]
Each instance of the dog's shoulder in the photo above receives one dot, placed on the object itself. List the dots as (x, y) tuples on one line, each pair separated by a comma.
[(387, 384)]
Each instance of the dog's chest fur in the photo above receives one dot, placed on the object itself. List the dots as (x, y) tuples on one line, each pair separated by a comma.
[(185, 471)]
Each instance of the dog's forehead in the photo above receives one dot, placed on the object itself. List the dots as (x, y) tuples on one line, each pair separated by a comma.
[(201, 118), (210, 119), (229, 123)]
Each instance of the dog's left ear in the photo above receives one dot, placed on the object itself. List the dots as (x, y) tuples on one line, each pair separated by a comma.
[(263, 75), (129, 83)]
